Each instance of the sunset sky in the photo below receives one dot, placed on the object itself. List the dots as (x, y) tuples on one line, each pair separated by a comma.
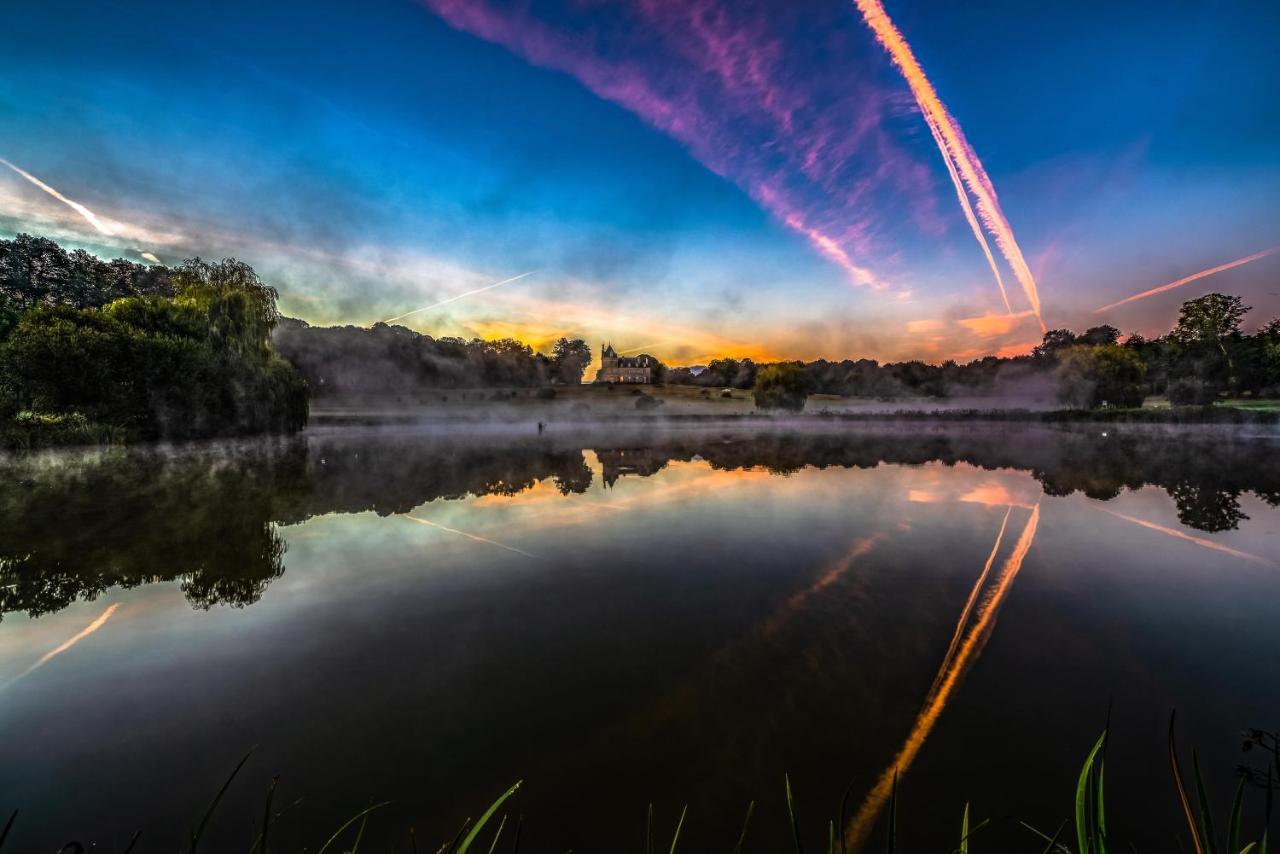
[(691, 178)]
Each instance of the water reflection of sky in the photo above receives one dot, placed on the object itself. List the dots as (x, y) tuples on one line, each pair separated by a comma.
[(685, 636)]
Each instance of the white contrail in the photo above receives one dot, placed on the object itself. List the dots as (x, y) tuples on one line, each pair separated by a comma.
[(458, 297), (953, 147), (1186, 280), (74, 205)]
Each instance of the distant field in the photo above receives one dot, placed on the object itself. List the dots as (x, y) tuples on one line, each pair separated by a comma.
[(1249, 404)]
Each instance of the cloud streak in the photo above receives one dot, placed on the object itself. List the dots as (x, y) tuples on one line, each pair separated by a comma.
[(955, 149), (1186, 280), (725, 81)]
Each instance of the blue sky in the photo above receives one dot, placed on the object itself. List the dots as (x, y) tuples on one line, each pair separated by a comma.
[(667, 190)]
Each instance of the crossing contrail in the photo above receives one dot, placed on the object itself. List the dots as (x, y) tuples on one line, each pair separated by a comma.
[(457, 297), (954, 147), (71, 203), (1193, 277)]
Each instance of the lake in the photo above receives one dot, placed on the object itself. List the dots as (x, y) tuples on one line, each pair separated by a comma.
[(619, 617)]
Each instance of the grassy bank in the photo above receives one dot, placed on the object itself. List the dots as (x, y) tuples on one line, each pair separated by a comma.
[(1082, 830), (28, 431)]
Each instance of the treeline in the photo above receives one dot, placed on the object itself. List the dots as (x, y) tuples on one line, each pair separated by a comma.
[(394, 361), (95, 350), (1205, 356)]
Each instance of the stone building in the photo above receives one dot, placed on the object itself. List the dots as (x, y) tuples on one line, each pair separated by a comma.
[(620, 369)]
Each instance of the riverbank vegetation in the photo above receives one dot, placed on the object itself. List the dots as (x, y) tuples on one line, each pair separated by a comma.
[(101, 352), (1205, 359)]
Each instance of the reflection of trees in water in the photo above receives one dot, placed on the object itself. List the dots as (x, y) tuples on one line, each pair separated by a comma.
[(208, 517)]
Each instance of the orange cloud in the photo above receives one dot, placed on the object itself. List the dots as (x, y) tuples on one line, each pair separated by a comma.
[(991, 325)]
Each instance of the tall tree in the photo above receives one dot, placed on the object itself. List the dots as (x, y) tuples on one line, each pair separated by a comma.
[(569, 360)]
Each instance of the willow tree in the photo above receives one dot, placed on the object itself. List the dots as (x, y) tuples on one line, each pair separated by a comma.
[(241, 307)]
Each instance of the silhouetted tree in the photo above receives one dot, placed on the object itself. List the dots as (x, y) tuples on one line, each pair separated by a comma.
[(781, 386), (569, 360)]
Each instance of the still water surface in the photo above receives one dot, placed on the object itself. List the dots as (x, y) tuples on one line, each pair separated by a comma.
[(616, 618)]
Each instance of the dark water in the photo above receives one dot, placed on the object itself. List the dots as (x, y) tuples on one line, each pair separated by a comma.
[(618, 619)]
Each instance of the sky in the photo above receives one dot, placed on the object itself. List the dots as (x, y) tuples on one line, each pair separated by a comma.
[(688, 178)]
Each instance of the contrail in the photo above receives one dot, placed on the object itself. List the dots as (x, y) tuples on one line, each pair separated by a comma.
[(948, 680), (67, 644), (1199, 541), (1193, 277), (74, 205), (963, 197), (953, 145), (457, 297), (475, 537)]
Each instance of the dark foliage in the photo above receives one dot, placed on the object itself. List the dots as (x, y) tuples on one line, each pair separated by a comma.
[(393, 361), (151, 352)]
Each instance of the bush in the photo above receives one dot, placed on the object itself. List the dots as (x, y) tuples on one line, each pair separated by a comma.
[(545, 393), (1105, 375), (153, 367), (1192, 391), (781, 386), (646, 402)]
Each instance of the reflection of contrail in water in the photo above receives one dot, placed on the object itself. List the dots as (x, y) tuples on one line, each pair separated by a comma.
[(1199, 541), (973, 600), (795, 604), (945, 685), (475, 537), (74, 205), (1193, 277), (67, 644), (953, 145), (457, 297)]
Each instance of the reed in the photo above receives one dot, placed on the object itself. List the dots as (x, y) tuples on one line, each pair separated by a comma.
[(1088, 818)]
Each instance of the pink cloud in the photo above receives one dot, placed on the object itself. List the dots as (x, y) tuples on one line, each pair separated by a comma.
[(778, 103)]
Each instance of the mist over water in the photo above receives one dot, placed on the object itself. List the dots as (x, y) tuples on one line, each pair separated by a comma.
[(620, 614)]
